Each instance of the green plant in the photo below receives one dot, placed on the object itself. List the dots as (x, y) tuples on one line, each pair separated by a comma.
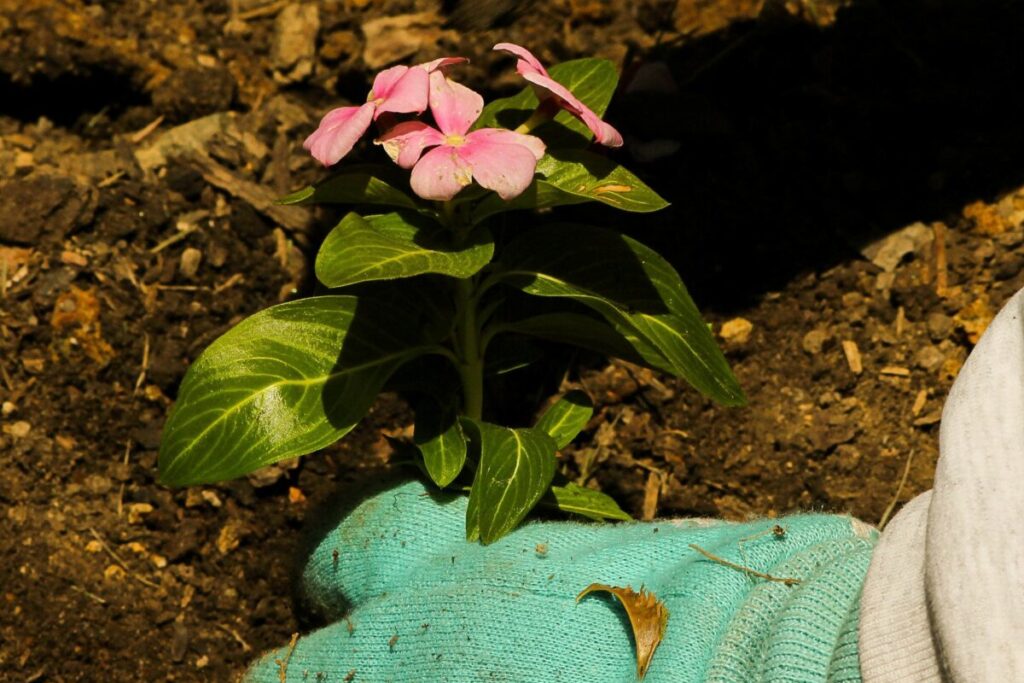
[(431, 282)]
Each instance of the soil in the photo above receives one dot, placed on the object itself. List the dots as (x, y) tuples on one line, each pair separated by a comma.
[(847, 209)]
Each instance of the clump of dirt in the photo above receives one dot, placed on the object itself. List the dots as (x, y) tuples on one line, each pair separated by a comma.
[(846, 209)]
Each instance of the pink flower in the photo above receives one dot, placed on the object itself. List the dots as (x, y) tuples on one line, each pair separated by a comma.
[(548, 88), (400, 89), (498, 159)]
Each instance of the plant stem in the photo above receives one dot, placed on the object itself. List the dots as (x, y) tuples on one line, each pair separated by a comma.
[(471, 367), (467, 330), (544, 112)]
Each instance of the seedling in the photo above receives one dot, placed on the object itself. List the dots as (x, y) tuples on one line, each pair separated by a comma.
[(446, 261)]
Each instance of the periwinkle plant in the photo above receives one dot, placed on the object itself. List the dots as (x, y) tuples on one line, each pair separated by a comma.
[(431, 283)]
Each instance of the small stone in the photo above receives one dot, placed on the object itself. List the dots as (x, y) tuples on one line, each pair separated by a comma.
[(97, 484), (814, 341), (190, 259), (18, 430), (229, 537), (159, 561), (114, 572), (93, 546), (24, 162), (138, 511), (929, 358), (7, 408), (293, 51), (940, 326), (737, 331), (202, 661), (889, 251), (986, 218), (212, 498)]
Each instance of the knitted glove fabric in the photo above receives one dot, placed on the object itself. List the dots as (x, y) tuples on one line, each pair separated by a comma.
[(416, 602)]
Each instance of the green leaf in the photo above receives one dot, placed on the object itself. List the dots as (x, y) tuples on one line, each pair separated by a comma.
[(593, 504), (358, 184), (539, 195), (592, 177), (578, 330), (439, 437), (593, 81), (515, 469), (397, 245), (636, 291), (574, 176), (285, 382), (566, 418), (505, 355)]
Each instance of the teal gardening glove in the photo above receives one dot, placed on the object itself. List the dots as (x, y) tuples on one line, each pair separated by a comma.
[(415, 602)]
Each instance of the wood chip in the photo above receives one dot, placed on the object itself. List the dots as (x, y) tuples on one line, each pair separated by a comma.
[(919, 401), (895, 371), (852, 354), (901, 321), (651, 492), (941, 263), (143, 133), (72, 258), (259, 197)]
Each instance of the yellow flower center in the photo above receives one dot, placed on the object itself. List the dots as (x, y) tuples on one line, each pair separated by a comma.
[(454, 140)]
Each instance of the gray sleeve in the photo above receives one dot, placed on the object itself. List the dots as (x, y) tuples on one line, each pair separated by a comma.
[(944, 596)]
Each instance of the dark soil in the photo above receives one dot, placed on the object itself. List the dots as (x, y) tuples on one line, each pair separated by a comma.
[(788, 137)]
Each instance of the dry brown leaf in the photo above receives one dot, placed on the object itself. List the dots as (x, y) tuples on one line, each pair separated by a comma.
[(647, 615)]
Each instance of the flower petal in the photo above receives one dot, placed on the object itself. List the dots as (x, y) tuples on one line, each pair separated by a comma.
[(505, 168), (454, 106), (384, 82), (442, 63), (338, 132), (527, 62), (408, 94), (508, 137), (405, 142), (440, 174), (603, 132)]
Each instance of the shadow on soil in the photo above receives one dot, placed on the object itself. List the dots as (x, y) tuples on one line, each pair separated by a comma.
[(795, 144)]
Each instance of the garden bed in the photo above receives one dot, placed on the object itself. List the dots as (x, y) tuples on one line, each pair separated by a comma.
[(846, 210)]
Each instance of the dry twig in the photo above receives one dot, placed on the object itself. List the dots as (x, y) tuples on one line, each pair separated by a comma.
[(282, 664), (234, 634), (899, 489), (145, 365), (141, 579), (173, 239), (143, 133), (789, 581)]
